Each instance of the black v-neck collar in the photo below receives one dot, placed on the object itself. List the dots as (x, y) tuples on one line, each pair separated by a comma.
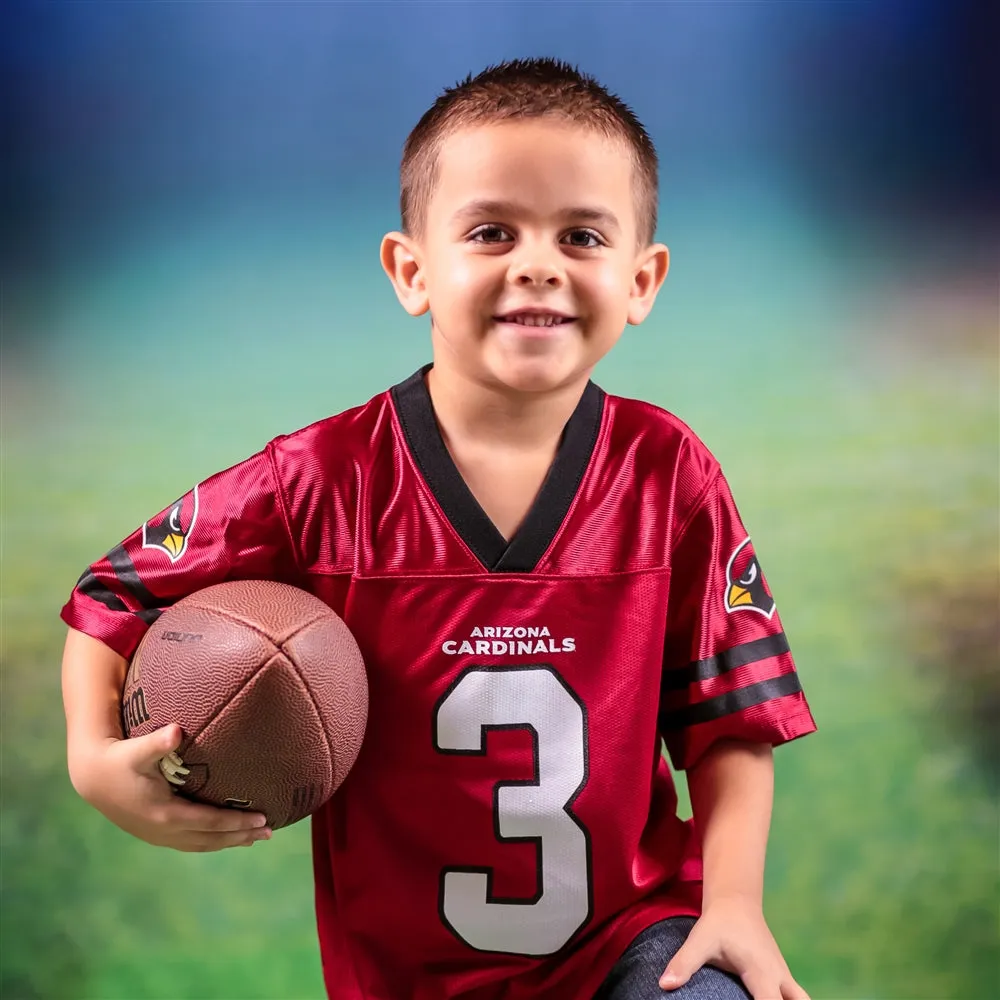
[(480, 534)]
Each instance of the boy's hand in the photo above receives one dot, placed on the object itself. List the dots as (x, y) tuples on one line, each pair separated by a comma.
[(122, 779), (732, 935)]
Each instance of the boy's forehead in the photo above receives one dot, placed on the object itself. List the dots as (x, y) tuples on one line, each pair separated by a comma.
[(537, 162)]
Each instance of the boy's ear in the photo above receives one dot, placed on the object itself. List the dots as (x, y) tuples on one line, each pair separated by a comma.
[(652, 265), (402, 261)]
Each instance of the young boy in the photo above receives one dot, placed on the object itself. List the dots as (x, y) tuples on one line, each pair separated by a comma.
[(546, 582)]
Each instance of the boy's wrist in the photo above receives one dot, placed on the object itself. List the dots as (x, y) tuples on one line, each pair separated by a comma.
[(744, 897), (82, 756)]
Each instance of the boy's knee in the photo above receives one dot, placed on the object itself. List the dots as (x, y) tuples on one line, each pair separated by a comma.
[(636, 974)]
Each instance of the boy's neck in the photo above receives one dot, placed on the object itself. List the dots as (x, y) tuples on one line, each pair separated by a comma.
[(481, 416)]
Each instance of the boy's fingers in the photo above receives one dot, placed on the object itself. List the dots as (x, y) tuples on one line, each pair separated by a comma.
[(207, 842), (791, 990), (689, 959), (212, 819), (761, 985)]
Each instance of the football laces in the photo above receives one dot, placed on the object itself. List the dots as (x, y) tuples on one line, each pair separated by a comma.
[(172, 768)]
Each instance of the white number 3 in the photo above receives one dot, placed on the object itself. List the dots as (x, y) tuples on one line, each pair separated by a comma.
[(536, 699)]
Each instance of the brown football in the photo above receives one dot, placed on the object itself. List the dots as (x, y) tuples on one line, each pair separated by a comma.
[(269, 688)]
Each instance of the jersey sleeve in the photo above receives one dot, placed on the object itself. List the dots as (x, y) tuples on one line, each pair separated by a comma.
[(232, 526), (728, 672)]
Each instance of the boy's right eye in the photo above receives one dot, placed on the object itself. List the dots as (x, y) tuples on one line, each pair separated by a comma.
[(488, 234)]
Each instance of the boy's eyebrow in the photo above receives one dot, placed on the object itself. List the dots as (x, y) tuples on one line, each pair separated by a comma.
[(583, 213)]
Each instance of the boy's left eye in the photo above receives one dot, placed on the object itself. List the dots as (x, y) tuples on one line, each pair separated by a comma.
[(580, 237), (488, 234)]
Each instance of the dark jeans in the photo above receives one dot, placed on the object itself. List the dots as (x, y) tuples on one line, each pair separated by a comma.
[(637, 974)]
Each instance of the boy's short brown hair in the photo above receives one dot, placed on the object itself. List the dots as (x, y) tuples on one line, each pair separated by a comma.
[(525, 88)]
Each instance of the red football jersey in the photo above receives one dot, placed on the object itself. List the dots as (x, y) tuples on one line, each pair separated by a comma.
[(510, 824)]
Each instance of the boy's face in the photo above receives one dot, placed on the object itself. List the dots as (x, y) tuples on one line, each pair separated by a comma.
[(528, 259)]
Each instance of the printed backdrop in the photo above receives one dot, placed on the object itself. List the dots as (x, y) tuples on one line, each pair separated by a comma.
[(195, 196)]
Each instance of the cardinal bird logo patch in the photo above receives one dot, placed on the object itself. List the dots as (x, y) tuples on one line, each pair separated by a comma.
[(170, 532), (745, 586)]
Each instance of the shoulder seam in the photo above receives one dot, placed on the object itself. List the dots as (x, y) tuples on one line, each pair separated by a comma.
[(282, 507), (695, 508)]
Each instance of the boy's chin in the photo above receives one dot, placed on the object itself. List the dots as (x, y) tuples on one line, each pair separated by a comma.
[(535, 375)]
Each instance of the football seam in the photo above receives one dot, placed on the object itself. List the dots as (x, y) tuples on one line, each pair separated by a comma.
[(261, 666), (234, 617), (267, 663), (312, 700), (277, 649)]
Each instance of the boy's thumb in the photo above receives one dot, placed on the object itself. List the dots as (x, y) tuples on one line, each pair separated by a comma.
[(681, 968), (158, 743)]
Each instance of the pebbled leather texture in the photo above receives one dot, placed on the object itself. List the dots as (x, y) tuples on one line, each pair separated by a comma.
[(269, 688)]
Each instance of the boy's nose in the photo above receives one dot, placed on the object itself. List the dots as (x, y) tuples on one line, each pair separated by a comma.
[(536, 268)]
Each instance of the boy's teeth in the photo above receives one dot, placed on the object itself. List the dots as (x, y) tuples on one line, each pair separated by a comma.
[(536, 320)]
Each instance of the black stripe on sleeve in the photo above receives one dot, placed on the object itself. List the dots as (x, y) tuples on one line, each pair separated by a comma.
[(89, 585), (121, 563), (721, 663), (731, 702)]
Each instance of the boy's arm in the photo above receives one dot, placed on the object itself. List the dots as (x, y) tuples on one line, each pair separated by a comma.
[(92, 679), (231, 526), (731, 790), (730, 692), (121, 777)]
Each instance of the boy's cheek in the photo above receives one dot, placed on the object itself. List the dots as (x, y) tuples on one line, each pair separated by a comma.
[(458, 275), (616, 279)]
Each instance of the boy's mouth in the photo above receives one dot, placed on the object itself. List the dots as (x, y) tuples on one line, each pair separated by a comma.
[(534, 317)]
